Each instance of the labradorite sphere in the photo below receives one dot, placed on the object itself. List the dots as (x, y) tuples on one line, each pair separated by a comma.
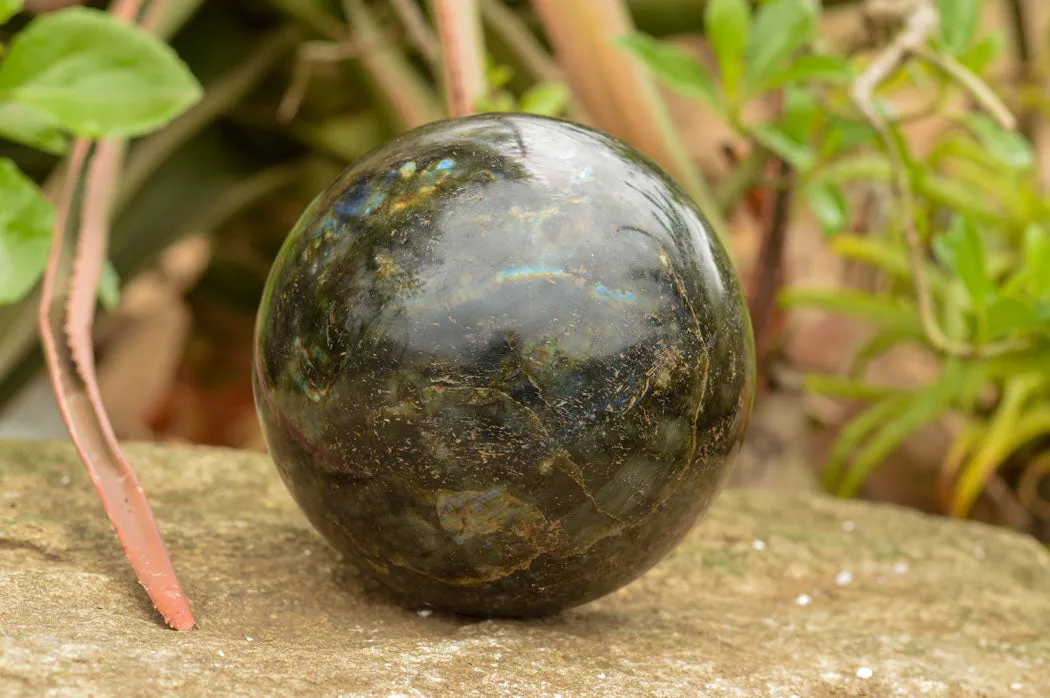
[(503, 364)]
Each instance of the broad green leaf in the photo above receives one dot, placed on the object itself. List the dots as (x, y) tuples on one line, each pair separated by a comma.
[(781, 28), (812, 68), (961, 251), (1009, 147), (959, 21), (674, 67), (798, 155), (1037, 258), (9, 8), (801, 114), (109, 287), (829, 206), (1007, 315), (881, 310), (546, 98), (727, 24), (95, 76), (21, 124), (26, 217), (981, 54)]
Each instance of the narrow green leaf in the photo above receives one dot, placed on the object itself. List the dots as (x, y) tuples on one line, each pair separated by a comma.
[(855, 431), (960, 250), (981, 54), (798, 155), (546, 98), (829, 206), (109, 287), (812, 68), (852, 389), (95, 76), (959, 21), (883, 311), (26, 217), (9, 8), (781, 28), (924, 407), (727, 24), (1009, 147), (674, 67), (21, 124)]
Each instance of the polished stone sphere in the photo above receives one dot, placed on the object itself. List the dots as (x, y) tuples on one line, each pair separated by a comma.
[(503, 364)]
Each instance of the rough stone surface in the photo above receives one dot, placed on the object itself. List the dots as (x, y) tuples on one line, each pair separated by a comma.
[(772, 595)]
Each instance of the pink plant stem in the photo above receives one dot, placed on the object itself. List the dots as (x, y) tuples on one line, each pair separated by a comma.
[(463, 55), (71, 365)]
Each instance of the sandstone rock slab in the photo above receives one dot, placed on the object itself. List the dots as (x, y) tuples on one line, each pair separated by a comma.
[(772, 595)]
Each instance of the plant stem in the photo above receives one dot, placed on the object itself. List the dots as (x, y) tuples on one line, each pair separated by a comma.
[(419, 32), (463, 54), (71, 365), (977, 88)]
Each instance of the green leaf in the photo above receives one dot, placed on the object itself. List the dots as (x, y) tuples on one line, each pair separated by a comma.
[(812, 68), (882, 311), (781, 28), (802, 115), (727, 24), (95, 75), (1037, 258), (829, 206), (26, 217), (674, 67), (1007, 315), (9, 8), (961, 251), (109, 287), (959, 20), (1009, 147), (21, 124), (798, 155), (981, 54), (546, 98)]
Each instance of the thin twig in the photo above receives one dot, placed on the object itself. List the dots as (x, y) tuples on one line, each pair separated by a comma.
[(463, 54), (972, 84), (419, 32), (71, 365), (922, 23)]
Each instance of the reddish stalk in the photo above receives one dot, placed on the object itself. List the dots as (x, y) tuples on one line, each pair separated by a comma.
[(463, 55), (71, 365)]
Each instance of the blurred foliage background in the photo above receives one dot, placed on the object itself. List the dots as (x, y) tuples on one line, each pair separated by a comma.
[(878, 169)]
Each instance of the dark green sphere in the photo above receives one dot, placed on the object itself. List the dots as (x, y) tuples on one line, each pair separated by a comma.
[(503, 364)]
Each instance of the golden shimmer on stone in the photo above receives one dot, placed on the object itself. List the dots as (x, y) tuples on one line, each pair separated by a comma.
[(503, 363)]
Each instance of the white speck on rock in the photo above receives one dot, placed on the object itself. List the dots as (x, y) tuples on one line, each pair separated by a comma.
[(424, 613), (864, 673), (978, 552), (1016, 686), (804, 600), (601, 676), (221, 653), (900, 567), (848, 526), (308, 552), (65, 480), (249, 638), (759, 545), (843, 578)]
